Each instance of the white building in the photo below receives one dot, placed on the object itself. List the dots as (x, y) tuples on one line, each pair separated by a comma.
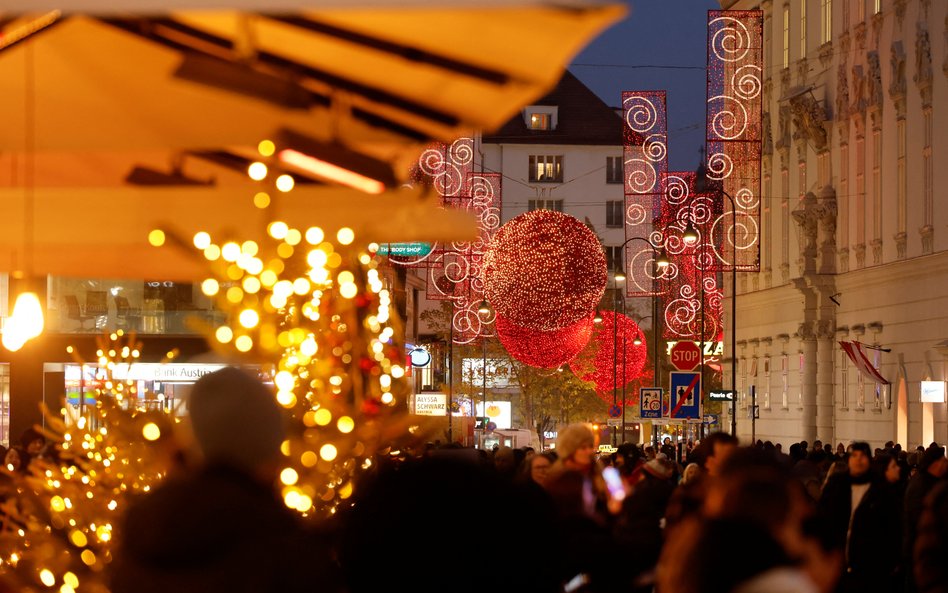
[(564, 153), (854, 240)]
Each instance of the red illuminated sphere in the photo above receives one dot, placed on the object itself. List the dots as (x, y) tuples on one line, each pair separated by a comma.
[(544, 270), (545, 350), (596, 362)]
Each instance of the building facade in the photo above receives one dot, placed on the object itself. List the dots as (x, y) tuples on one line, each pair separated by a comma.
[(854, 244)]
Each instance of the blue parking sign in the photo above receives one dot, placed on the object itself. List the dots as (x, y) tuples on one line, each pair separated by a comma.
[(685, 395)]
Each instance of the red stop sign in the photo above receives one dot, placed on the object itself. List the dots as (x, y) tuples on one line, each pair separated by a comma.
[(685, 356)]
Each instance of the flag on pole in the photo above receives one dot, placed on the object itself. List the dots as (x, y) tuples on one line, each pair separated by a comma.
[(857, 355)]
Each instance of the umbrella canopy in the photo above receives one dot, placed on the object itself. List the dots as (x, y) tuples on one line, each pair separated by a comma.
[(116, 123)]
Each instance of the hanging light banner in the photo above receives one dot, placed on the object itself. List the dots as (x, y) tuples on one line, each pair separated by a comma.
[(645, 165), (734, 134)]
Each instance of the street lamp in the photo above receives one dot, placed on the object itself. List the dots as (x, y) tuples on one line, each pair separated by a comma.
[(483, 311), (701, 185), (661, 262)]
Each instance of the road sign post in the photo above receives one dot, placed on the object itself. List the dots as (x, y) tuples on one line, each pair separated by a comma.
[(650, 400), (685, 396), (685, 356)]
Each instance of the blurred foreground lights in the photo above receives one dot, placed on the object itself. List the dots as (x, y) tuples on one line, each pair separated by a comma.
[(257, 171), (314, 235), (202, 240), (289, 476), (348, 290), (328, 452), (210, 287), (47, 577), (151, 432), (285, 183), (345, 235), (345, 424), (224, 334), (249, 318), (266, 148), (25, 323), (278, 229), (156, 238)]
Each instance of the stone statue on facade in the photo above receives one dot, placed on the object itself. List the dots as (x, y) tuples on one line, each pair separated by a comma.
[(842, 94), (874, 81)]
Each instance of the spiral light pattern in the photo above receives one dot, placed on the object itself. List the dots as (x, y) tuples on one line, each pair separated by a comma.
[(646, 165), (734, 134)]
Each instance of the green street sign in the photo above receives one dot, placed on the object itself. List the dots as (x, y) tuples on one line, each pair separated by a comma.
[(405, 249)]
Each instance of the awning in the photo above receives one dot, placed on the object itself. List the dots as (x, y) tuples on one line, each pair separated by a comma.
[(104, 233), (116, 123)]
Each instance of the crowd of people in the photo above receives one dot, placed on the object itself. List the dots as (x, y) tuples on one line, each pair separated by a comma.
[(708, 517)]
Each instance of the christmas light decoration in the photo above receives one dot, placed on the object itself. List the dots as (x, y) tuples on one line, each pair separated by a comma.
[(615, 335), (454, 269), (692, 275), (62, 516), (734, 133), (545, 350), (645, 158), (544, 270)]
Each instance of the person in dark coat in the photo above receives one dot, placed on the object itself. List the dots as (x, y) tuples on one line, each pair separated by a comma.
[(221, 527), (862, 516), (931, 468), (639, 526)]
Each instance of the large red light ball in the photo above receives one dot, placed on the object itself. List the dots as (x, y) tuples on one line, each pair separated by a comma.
[(544, 270), (596, 362), (545, 350)]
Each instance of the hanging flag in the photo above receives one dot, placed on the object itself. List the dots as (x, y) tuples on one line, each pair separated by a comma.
[(858, 357)]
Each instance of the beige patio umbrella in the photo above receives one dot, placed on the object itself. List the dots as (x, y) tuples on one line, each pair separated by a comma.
[(115, 123)]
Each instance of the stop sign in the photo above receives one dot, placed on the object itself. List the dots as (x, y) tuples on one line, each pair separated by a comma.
[(685, 356)]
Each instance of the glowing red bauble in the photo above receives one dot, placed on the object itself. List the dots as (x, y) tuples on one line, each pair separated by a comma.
[(596, 364), (545, 350), (544, 270)]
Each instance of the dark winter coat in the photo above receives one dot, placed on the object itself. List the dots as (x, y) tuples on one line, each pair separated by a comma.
[(873, 552), (218, 530)]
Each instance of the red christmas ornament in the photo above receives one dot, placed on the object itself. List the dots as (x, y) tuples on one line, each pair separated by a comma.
[(545, 350), (596, 362), (544, 270)]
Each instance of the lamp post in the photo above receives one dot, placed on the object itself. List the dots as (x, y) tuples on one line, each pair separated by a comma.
[(484, 311), (661, 262), (701, 185)]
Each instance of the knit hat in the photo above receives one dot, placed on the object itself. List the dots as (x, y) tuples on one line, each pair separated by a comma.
[(235, 419), (659, 468), (572, 438)]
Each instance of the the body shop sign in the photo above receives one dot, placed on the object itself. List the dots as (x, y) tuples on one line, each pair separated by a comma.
[(431, 404)]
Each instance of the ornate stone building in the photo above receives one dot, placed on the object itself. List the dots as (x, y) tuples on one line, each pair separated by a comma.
[(854, 240)]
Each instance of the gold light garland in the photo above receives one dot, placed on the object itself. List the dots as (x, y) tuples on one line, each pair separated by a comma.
[(60, 518)]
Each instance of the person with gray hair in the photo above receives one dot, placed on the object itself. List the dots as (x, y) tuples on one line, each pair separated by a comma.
[(221, 527)]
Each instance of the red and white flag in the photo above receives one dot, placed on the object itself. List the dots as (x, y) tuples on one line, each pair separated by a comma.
[(858, 356)]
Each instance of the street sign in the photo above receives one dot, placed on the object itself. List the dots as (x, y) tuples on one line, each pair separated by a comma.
[(614, 422), (685, 395), (650, 400), (685, 356), (722, 395), (753, 412), (404, 249), (615, 411)]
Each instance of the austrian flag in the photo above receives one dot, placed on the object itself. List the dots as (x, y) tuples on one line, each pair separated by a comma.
[(858, 356)]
